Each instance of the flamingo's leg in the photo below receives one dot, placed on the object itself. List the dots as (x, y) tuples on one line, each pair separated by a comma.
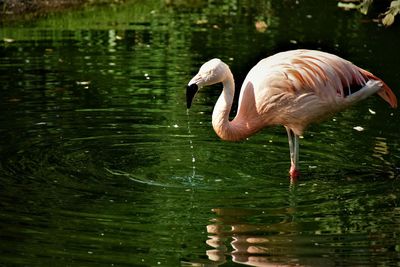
[(290, 139), (294, 153)]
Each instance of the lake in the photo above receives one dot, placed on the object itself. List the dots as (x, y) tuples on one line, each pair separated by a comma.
[(102, 165)]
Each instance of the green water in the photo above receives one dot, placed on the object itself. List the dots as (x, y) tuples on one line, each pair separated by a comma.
[(101, 165)]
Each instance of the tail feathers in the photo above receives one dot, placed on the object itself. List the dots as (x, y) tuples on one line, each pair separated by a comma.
[(385, 92)]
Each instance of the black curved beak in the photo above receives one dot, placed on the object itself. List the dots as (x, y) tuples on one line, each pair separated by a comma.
[(191, 90)]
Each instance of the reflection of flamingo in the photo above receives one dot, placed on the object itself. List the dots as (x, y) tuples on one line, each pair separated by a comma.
[(293, 89), (255, 244)]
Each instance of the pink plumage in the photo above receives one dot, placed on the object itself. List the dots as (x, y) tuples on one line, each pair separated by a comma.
[(292, 88)]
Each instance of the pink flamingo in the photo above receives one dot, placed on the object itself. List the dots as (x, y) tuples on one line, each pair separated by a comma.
[(292, 88)]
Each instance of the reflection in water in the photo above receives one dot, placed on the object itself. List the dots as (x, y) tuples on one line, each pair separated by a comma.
[(247, 239), (380, 151), (253, 244)]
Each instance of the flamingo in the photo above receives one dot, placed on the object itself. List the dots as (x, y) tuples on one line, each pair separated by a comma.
[(292, 88)]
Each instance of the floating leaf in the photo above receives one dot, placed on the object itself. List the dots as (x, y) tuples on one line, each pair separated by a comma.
[(347, 6), (388, 19), (364, 6), (389, 15), (82, 82), (261, 26), (8, 40), (201, 21), (358, 128), (395, 4)]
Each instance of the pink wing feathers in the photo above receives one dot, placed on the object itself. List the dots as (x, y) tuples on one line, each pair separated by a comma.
[(326, 74)]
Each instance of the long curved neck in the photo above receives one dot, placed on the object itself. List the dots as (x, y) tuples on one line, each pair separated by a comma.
[(225, 129)]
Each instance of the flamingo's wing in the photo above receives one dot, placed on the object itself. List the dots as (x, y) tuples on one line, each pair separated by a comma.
[(296, 88), (324, 74)]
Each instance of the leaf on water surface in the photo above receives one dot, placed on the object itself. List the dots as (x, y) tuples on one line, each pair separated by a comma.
[(201, 21), (261, 26), (364, 6), (347, 6), (388, 19), (82, 82), (8, 40), (358, 128), (389, 15)]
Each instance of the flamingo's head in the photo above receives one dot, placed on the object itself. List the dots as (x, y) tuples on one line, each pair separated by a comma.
[(212, 72)]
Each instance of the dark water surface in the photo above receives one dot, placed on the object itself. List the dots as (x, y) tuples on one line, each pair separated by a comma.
[(102, 166)]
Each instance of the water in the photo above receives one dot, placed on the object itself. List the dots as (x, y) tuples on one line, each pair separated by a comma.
[(101, 165)]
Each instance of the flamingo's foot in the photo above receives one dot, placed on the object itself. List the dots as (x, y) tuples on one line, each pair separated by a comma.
[(294, 173)]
